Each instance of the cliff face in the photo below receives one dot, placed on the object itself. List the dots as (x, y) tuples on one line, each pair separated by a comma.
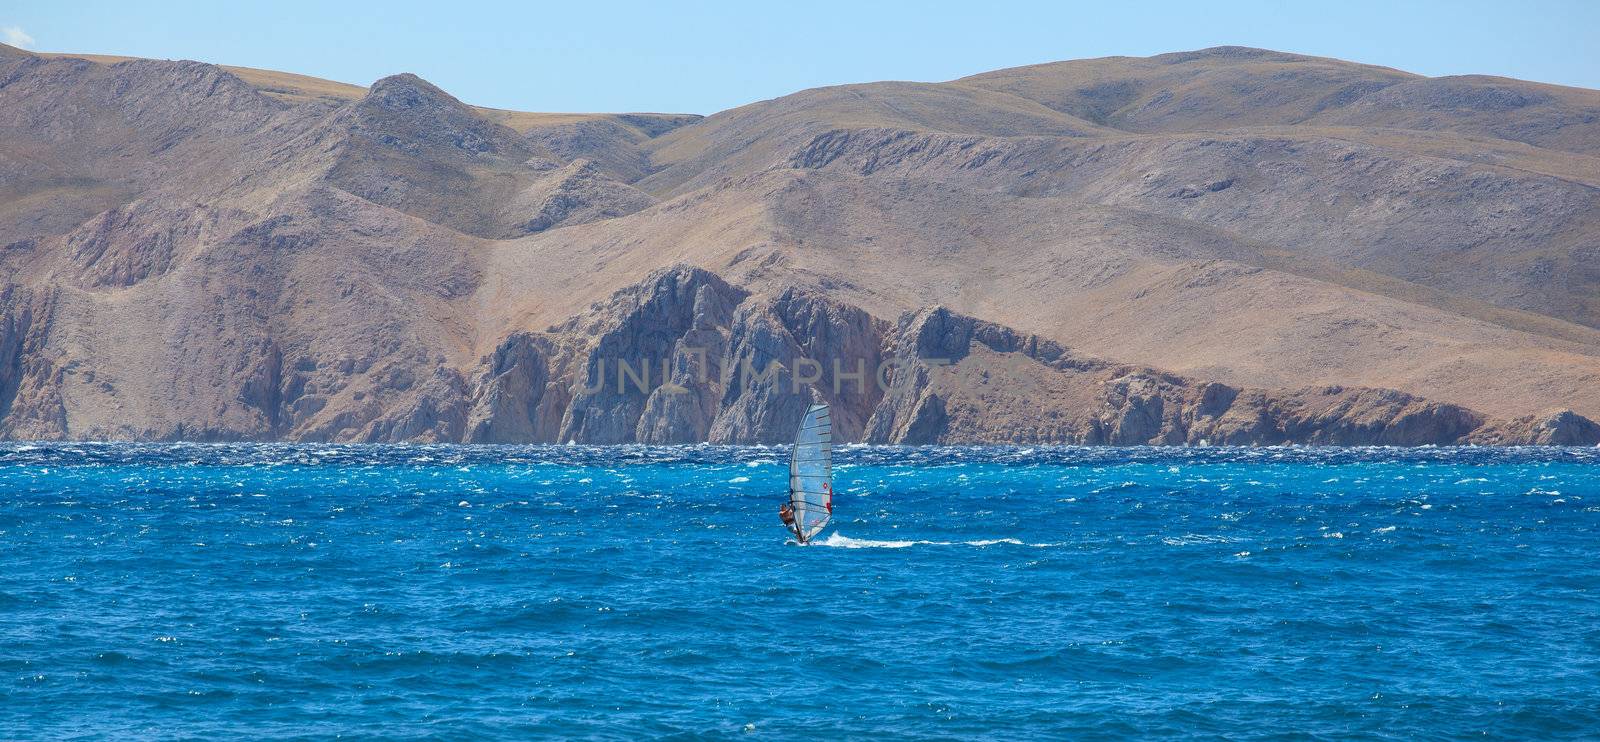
[(681, 358), (969, 381), (30, 405), (686, 357)]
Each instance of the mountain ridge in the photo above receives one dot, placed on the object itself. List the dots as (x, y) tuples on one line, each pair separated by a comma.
[(185, 248)]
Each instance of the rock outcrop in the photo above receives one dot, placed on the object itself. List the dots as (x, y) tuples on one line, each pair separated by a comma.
[(507, 402), (1552, 428), (642, 348), (30, 380), (967, 381), (683, 357)]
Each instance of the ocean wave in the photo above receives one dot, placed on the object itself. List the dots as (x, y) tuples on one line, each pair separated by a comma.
[(41, 453), (1189, 539), (841, 541)]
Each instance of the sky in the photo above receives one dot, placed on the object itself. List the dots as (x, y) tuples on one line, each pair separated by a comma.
[(704, 57)]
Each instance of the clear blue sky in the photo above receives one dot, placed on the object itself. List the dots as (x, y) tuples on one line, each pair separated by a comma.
[(704, 57)]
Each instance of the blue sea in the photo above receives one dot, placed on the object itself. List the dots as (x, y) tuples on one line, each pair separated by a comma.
[(213, 591)]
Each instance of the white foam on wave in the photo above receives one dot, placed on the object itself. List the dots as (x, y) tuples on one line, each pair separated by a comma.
[(841, 541), (845, 542), (1190, 539)]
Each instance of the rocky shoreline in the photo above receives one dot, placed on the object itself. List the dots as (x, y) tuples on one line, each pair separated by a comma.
[(958, 380), (686, 357)]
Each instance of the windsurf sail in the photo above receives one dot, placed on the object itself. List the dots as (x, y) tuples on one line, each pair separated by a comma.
[(811, 473)]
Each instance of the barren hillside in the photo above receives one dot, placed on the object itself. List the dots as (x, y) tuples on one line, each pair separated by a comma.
[(192, 251)]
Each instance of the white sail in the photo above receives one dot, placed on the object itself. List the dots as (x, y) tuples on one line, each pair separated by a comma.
[(811, 473)]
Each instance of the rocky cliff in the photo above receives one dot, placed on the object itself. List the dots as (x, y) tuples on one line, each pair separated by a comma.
[(685, 357), (30, 400)]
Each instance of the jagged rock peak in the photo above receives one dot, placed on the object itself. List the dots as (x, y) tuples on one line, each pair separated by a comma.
[(937, 332), (410, 113), (680, 280), (406, 91)]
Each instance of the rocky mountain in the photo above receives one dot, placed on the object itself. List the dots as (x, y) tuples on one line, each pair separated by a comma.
[(1223, 246)]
